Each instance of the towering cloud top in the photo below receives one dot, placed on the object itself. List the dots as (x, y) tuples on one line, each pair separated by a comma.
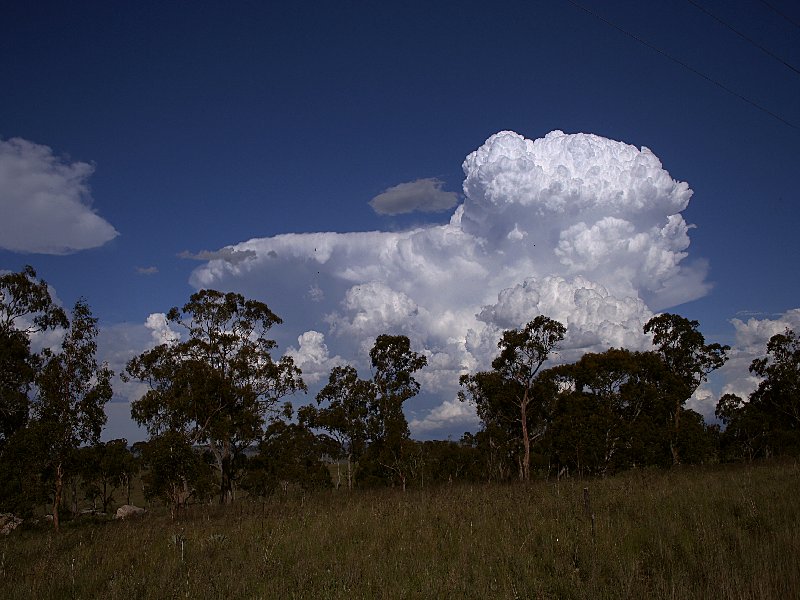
[(576, 175), (578, 227)]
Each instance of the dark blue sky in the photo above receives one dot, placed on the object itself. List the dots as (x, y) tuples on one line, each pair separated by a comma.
[(210, 123)]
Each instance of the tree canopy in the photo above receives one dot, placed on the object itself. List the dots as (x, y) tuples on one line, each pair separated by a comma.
[(213, 391), (769, 421), (73, 390), (512, 388), (344, 404), (684, 350), (26, 307), (218, 384)]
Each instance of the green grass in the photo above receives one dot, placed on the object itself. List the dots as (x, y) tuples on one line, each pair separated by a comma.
[(721, 532)]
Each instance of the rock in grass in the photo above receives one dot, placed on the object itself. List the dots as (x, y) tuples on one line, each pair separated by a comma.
[(127, 511), (8, 523)]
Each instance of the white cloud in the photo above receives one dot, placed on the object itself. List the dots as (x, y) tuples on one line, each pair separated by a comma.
[(576, 227), (424, 195), (448, 415), (116, 345), (754, 334), (703, 401), (751, 343), (595, 319), (371, 309), (46, 202), (312, 357), (160, 331)]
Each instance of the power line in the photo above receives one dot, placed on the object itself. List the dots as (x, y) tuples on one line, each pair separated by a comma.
[(743, 36), (685, 65), (776, 11)]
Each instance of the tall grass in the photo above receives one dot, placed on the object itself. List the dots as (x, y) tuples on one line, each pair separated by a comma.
[(722, 532)]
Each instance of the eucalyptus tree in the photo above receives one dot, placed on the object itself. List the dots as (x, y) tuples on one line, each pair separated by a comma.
[(769, 422), (290, 456), (73, 390), (684, 350), (175, 472), (107, 466), (218, 384), (393, 364), (26, 308), (779, 389), (612, 410), (747, 429), (393, 367), (500, 439), (343, 405), (512, 390), (365, 416), (26, 304)]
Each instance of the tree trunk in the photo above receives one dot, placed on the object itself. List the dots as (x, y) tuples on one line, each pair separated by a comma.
[(225, 484), (175, 504), (226, 489), (526, 442), (73, 487), (106, 498), (59, 484), (673, 444), (223, 457)]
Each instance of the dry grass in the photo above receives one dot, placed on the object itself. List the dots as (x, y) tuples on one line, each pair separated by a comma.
[(724, 532)]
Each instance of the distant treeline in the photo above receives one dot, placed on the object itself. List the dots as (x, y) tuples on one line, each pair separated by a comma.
[(213, 409)]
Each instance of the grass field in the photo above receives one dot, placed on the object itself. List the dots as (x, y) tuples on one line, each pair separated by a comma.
[(715, 532)]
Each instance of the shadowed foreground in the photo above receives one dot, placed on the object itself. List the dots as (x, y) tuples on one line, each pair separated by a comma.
[(723, 532)]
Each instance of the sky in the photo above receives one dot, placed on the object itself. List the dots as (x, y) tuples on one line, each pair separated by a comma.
[(429, 169)]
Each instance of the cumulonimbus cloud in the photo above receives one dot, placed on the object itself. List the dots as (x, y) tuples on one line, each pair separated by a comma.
[(578, 227), (46, 203)]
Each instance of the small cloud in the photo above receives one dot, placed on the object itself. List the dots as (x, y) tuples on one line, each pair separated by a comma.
[(424, 195), (227, 254), (517, 234), (315, 293), (147, 270)]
